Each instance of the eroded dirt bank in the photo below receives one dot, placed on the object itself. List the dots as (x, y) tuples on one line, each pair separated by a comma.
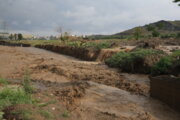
[(90, 90)]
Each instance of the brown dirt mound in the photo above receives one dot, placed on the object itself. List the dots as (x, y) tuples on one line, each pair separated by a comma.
[(148, 45), (70, 95), (106, 53), (86, 73)]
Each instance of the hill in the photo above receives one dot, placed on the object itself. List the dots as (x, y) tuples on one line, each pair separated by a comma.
[(163, 27)]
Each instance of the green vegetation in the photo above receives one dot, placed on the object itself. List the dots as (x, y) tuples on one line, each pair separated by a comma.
[(177, 1), (20, 36), (138, 33), (66, 114), (155, 33), (39, 42), (47, 103), (150, 28), (167, 63), (3, 81), (169, 36), (93, 45), (128, 60), (160, 26), (27, 84), (9, 97), (178, 35), (45, 114), (25, 113)]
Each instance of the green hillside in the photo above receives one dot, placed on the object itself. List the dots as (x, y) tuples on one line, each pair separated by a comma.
[(160, 28)]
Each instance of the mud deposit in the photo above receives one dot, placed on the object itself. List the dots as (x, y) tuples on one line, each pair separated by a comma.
[(88, 90)]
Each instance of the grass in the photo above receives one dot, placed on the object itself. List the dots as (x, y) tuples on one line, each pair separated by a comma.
[(3, 81), (122, 58), (66, 114), (9, 97), (24, 113), (128, 60), (27, 84), (45, 114), (37, 42), (47, 103), (79, 44)]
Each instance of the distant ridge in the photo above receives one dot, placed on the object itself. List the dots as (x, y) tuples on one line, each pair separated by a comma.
[(163, 27)]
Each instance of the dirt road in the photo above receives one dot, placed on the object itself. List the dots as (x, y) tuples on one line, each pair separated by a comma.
[(97, 95)]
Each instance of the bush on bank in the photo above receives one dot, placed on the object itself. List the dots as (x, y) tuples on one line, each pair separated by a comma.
[(168, 64), (138, 61)]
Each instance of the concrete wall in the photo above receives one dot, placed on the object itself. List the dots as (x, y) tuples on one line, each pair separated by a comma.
[(166, 89)]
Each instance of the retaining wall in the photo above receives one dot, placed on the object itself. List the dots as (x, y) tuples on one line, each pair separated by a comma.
[(167, 89)]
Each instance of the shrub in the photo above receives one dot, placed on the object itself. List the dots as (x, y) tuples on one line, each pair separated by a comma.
[(3, 81), (93, 45), (75, 44), (155, 33), (168, 36), (162, 66), (131, 61), (137, 33), (178, 35), (102, 45), (10, 97), (167, 64), (150, 28)]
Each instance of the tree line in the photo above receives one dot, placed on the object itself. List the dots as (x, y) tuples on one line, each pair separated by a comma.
[(15, 36), (177, 1)]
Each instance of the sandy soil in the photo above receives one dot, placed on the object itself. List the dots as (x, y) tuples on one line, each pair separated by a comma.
[(90, 90)]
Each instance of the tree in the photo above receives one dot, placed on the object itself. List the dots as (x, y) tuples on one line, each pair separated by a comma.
[(155, 33), (177, 1), (15, 36), (160, 26), (178, 35), (60, 31), (137, 33), (11, 37), (150, 28), (20, 36)]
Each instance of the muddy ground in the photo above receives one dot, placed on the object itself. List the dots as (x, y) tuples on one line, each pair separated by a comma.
[(89, 90)]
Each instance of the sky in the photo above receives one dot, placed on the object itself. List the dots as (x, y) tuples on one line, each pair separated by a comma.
[(43, 17)]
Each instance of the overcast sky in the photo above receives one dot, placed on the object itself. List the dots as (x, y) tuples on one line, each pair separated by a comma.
[(84, 16)]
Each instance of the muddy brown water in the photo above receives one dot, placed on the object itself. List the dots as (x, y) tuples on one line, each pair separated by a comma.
[(100, 102)]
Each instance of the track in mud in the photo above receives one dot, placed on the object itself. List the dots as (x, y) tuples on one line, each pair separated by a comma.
[(80, 85)]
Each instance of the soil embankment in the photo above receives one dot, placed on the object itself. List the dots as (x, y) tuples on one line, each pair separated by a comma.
[(81, 53), (88, 54), (6, 43)]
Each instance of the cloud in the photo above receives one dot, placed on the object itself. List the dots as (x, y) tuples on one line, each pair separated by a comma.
[(84, 16)]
